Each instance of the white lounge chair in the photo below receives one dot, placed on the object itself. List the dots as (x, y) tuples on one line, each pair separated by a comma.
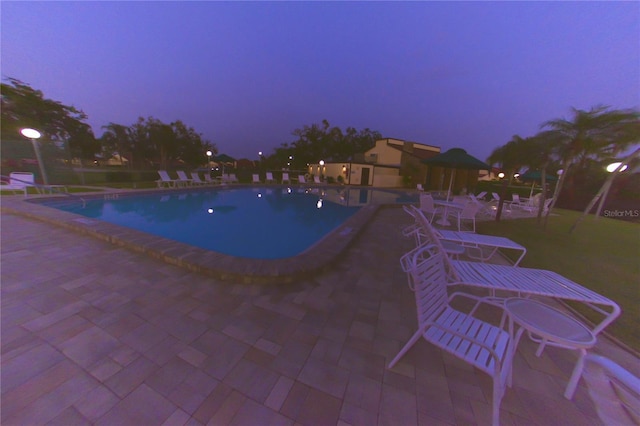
[(468, 213), (520, 203), (256, 179), (209, 180), (165, 180), (233, 178), (614, 390), (484, 346), (195, 179), (18, 182), (301, 179), (269, 178), (285, 178), (316, 179), (183, 179)]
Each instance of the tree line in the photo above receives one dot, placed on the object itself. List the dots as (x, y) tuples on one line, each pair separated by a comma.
[(146, 143), (573, 146)]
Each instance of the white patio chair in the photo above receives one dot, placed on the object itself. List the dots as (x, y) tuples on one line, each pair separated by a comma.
[(316, 179), (233, 178), (481, 195), (468, 213), (614, 390), (165, 180), (209, 180), (428, 207), (18, 181), (520, 203), (285, 178), (301, 179), (484, 346), (422, 236), (269, 178), (183, 179), (195, 179), (256, 178)]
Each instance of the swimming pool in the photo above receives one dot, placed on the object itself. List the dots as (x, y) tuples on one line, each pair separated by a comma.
[(246, 222)]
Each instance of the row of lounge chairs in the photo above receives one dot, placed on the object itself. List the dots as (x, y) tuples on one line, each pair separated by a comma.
[(438, 277), (285, 179), (183, 180)]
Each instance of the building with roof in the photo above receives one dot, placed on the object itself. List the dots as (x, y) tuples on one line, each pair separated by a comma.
[(390, 163)]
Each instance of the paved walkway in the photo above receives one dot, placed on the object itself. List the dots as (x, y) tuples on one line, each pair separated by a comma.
[(96, 334)]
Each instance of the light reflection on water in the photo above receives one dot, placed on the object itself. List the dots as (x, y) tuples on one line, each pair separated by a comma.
[(262, 223)]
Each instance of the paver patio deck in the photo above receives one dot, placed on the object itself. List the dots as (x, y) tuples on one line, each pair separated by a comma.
[(93, 333)]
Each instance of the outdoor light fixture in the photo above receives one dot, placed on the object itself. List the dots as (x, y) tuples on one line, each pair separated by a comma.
[(321, 162), (260, 153), (34, 135), (613, 166), (517, 175), (210, 211), (501, 175)]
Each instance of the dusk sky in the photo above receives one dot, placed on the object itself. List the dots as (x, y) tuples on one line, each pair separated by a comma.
[(245, 75)]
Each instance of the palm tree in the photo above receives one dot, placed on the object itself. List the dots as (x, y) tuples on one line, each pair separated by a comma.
[(510, 157), (119, 137), (594, 133)]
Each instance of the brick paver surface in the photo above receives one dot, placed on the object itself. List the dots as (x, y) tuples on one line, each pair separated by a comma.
[(96, 334)]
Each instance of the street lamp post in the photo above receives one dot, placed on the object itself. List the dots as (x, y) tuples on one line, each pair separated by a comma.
[(34, 135)]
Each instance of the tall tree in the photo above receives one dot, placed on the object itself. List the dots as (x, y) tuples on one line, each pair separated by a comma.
[(117, 139), (594, 133), (510, 158), (22, 106), (317, 142)]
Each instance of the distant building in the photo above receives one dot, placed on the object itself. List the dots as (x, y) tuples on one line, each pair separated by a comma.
[(390, 163)]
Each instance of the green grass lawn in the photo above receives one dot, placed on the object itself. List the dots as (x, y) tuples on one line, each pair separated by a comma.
[(602, 254)]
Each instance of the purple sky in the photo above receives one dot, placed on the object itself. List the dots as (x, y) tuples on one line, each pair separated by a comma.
[(245, 75)]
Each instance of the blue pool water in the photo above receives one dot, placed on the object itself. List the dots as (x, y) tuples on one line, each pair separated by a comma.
[(261, 223)]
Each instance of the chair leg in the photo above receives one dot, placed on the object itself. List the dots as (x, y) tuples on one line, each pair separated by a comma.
[(575, 375), (498, 391), (406, 348)]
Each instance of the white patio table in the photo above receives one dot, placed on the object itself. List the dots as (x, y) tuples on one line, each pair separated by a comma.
[(447, 205), (526, 282), (478, 241)]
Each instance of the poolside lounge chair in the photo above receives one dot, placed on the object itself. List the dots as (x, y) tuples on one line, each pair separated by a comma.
[(614, 390), (183, 179), (233, 178), (256, 179), (18, 181), (316, 179), (269, 178), (485, 346), (209, 180), (195, 179), (302, 179), (285, 178), (165, 180)]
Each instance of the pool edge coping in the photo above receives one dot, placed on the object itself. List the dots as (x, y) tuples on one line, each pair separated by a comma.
[(315, 259)]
